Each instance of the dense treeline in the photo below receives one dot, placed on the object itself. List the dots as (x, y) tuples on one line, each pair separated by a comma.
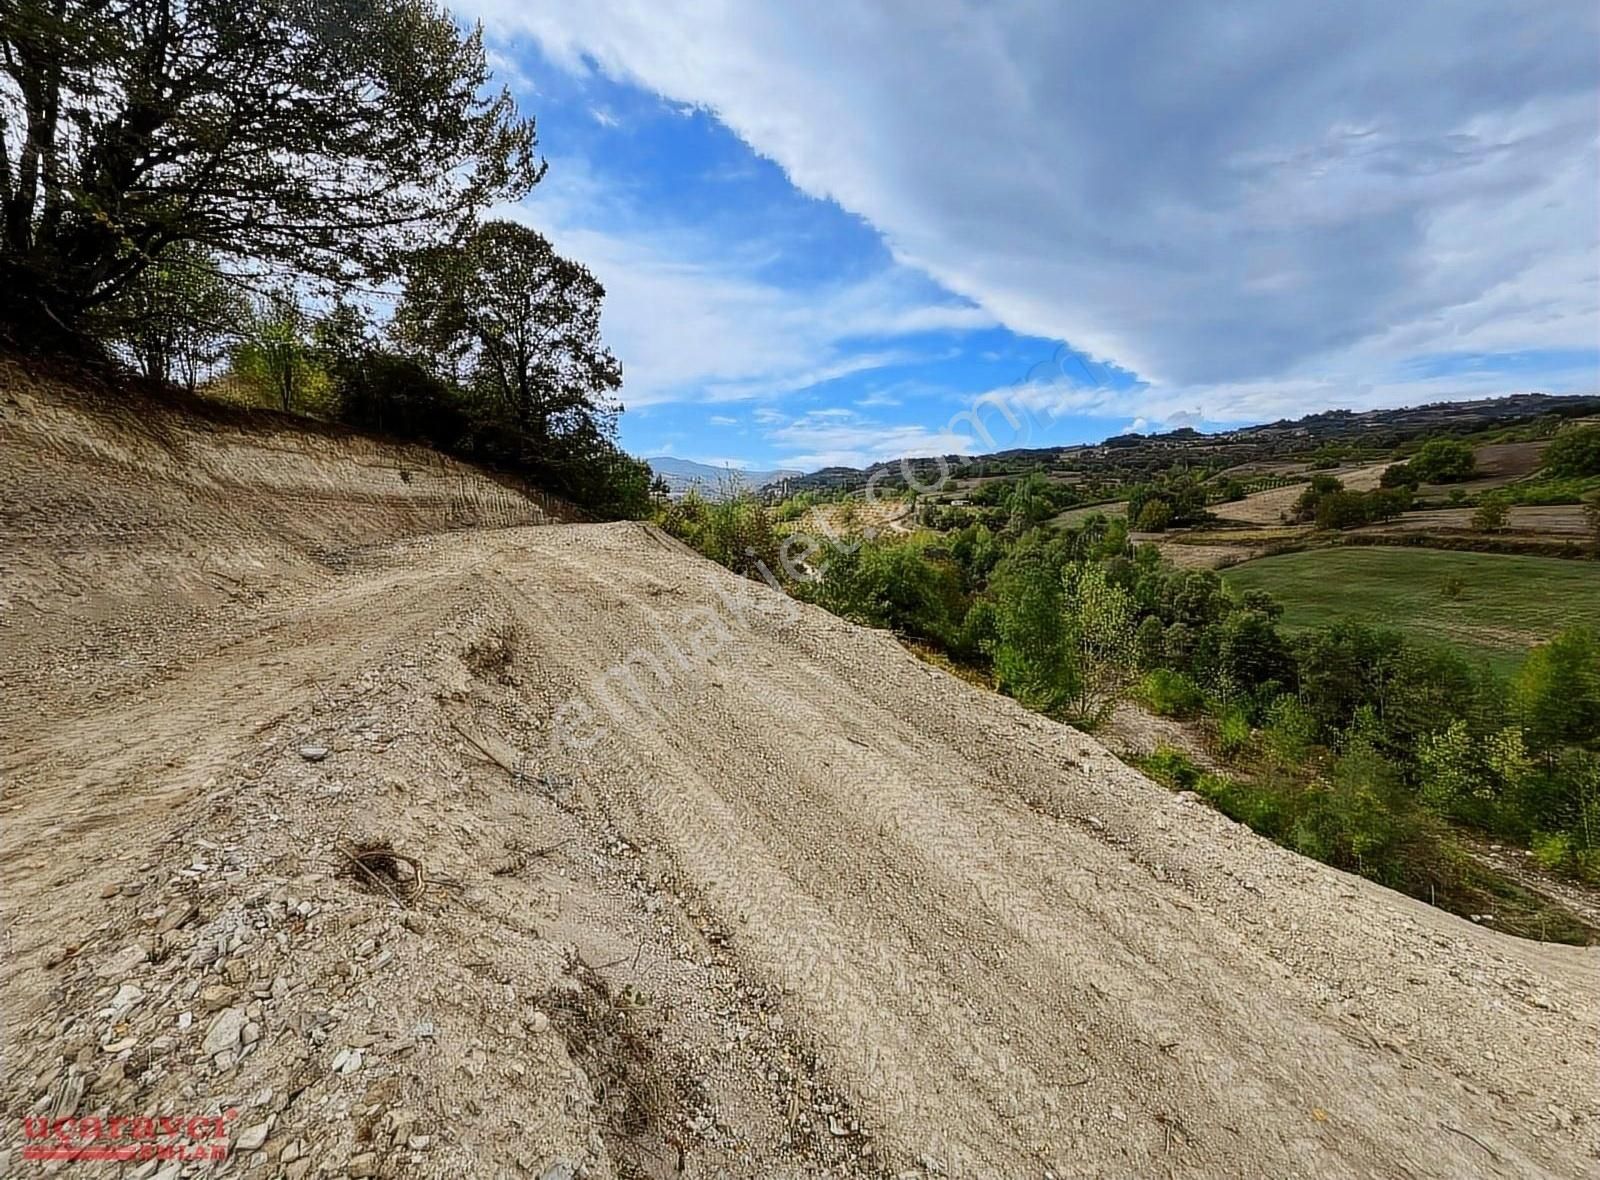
[(1350, 743), (225, 195)]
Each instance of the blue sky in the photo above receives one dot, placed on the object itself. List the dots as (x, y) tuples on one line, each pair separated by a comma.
[(825, 230)]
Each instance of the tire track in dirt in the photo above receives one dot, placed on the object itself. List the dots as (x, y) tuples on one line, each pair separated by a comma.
[(1011, 952), (729, 781)]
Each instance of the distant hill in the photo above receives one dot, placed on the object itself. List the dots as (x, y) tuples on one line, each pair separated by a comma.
[(682, 475), (1129, 453)]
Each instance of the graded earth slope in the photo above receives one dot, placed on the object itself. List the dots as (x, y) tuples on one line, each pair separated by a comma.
[(686, 878)]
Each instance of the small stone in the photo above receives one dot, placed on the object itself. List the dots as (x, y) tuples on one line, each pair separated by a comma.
[(122, 962), (251, 1138), (177, 916), (251, 1033), (540, 1022), (225, 1031), (365, 1164), (313, 753), (419, 1142), (109, 891)]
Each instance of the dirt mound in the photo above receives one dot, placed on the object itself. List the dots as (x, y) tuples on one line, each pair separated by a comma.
[(115, 503), (559, 851)]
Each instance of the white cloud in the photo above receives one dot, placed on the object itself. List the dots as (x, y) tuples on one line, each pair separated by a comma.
[(691, 321), (822, 439), (878, 400), (1213, 196)]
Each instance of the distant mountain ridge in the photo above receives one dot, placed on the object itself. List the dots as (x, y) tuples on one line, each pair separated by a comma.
[(684, 475), (1382, 427)]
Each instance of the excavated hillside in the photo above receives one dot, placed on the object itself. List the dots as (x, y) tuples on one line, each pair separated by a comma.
[(348, 803)]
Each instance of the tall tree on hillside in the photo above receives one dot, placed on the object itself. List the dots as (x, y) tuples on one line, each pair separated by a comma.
[(323, 136), (275, 352), (173, 321), (521, 325)]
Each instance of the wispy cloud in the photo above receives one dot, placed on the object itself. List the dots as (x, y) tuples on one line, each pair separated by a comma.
[(693, 320), (1192, 197)]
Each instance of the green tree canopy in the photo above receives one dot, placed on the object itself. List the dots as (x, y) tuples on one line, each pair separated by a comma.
[(1574, 453), (1443, 460), (518, 322), (321, 136), (174, 320)]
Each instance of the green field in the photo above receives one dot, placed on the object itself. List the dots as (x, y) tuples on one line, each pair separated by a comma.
[(1506, 603)]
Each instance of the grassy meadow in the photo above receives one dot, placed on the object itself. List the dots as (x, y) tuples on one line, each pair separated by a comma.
[(1488, 604)]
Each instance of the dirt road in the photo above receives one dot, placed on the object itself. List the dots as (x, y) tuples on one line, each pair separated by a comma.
[(698, 878)]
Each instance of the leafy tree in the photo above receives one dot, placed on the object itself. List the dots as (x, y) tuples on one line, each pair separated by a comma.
[(375, 388), (1305, 506), (1099, 619), (1034, 657), (1195, 598), (174, 319), (1262, 603), (1492, 515), (1170, 694), (736, 532), (1291, 731), (1154, 516), (1424, 685), (975, 549), (274, 354), (1574, 453), (326, 140), (1443, 460), (1342, 510), (1398, 475), (1183, 495), (897, 584), (1250, 651), (1147, 642), (1343, 667), (1557, 691), (519, 323)]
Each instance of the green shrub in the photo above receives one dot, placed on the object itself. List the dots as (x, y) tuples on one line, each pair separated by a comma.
[(1574, 453), (736, 532), (1443, 460), (1172, 767), (1167, 693), (1234, 732), (1492, 515), (1291, 731), (1562, 852)]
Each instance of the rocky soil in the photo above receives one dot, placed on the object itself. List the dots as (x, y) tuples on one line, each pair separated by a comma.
[(417, 845)]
